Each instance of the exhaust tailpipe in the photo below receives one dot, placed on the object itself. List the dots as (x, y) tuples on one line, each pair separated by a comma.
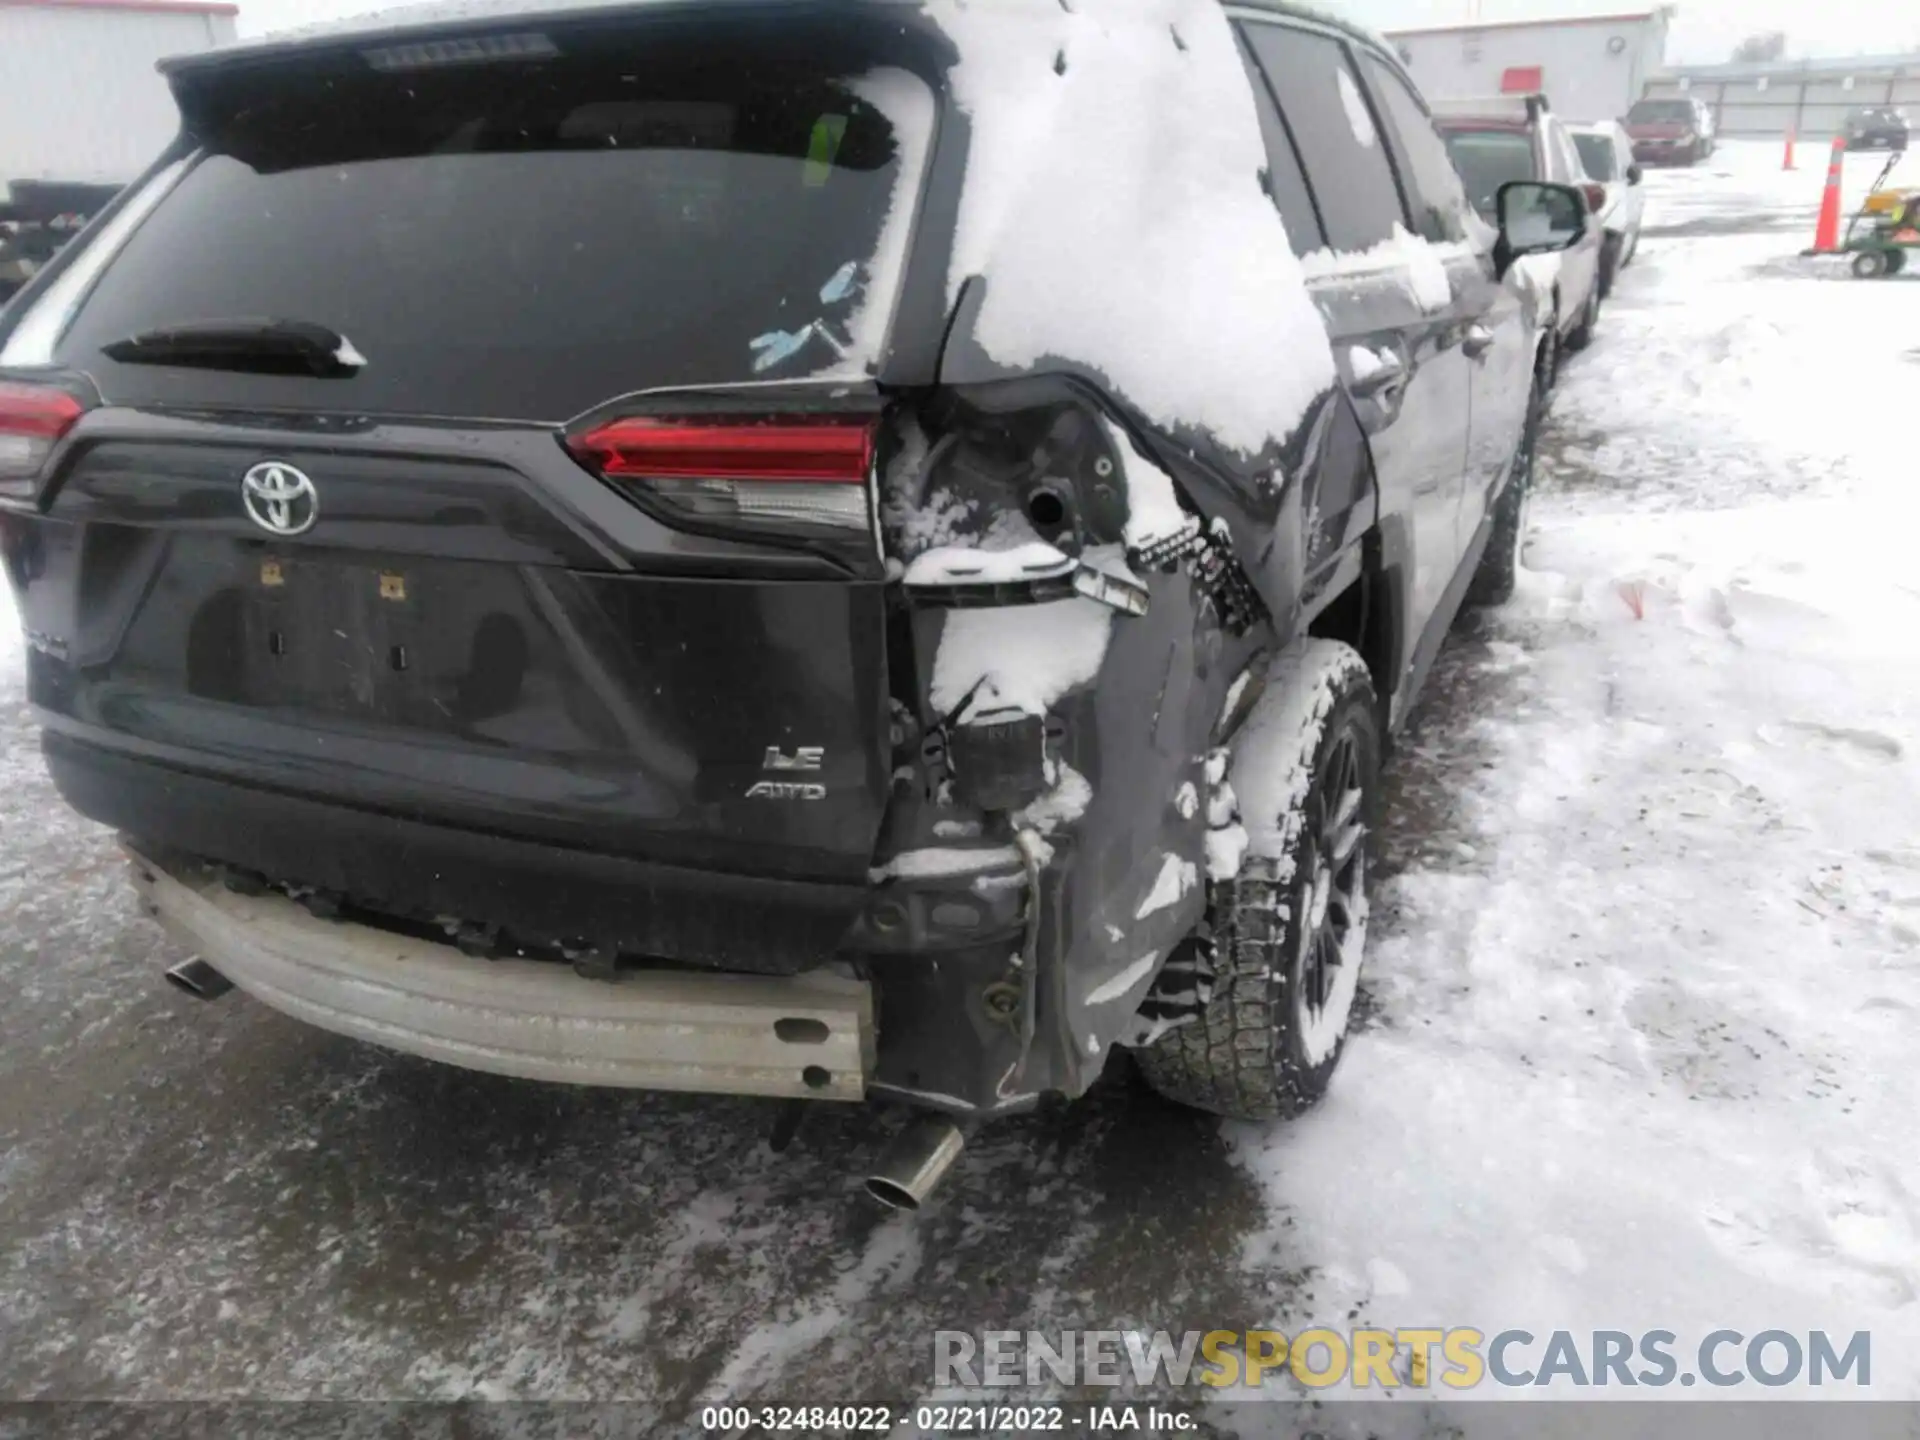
[(199, 979), (916, 1162)]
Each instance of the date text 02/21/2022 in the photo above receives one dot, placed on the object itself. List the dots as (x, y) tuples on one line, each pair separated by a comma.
[(939, 1419)]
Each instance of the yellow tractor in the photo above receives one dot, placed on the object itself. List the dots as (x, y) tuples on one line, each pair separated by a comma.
[(1884, 229)]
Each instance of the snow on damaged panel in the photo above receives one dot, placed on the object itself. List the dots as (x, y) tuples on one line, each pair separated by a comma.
[(1030, 495), (1114, 216), (1419, 263)]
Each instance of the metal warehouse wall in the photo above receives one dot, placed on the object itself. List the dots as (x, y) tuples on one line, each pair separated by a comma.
[(79, 98), (1815, 104), (1592, 69)]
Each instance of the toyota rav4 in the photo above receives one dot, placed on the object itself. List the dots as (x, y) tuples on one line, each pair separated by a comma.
[(828, 551)]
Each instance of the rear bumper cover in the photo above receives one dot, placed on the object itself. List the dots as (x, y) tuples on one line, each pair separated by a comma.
[(419, 869), (809, 1036)]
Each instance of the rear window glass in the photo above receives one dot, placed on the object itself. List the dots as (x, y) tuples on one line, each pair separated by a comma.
[(1329, 118), (1488, 159), (1596, 156), (1657, 111), (526, 240)]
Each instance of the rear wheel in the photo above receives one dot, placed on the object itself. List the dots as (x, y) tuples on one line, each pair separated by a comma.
[(1610, 263), (1290, 929), (1871, 264), (1582, 334), (1548, 365), (1499, 569)]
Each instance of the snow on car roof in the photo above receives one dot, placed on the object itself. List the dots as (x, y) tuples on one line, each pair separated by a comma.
[(1132, 239)]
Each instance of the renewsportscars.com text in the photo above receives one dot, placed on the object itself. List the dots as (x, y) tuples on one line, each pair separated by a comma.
[(1458, 1358)]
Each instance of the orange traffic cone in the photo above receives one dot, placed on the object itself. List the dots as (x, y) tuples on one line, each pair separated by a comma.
[(1787, 163), (1826, 234)]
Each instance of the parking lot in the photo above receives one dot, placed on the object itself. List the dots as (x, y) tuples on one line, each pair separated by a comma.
[(1643, 997)]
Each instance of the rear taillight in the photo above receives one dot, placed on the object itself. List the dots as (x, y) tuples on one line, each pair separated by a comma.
[(779, 471), (32, 420), (1596, 196)]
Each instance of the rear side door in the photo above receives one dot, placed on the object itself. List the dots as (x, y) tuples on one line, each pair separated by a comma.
[(1495, 336), (1392, 312)]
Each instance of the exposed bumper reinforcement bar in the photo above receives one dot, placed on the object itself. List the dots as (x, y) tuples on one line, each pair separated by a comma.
[(809, 1036)]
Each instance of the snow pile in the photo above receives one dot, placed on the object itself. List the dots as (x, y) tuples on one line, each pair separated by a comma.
[(1646, 984), (1728, 368), (1425, 264), (1113, 204), (1018, 657), (1653, 1026)]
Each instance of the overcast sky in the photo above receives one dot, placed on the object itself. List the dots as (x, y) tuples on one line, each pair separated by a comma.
[(1704, 30)]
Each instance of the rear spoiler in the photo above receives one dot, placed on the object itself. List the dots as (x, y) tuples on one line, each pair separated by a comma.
[(459, 23)]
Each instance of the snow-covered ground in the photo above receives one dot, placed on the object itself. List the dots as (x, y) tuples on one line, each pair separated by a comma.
[(1640, 1039), (1646, 1008)]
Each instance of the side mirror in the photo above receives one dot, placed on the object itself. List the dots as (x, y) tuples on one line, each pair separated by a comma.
[(1635, 174), (1537, 219)]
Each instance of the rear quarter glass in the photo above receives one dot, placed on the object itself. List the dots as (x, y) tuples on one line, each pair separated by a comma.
[(519, 240), (1596, 155)]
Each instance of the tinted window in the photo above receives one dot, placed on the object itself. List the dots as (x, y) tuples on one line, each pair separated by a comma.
[(1488, 159), (1333, 125), (525, 239), (1596, 155), (1285, 182), (1565, 159), (1438, 201), (1658, 112)]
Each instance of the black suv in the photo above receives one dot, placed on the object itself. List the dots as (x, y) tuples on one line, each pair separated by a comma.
[(766, 550), (1877, 127)]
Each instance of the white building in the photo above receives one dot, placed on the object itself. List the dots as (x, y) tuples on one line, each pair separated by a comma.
[(80, 101), (1590, 67)]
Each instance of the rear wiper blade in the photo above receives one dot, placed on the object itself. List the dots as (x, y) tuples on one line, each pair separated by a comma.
[(265, 347)]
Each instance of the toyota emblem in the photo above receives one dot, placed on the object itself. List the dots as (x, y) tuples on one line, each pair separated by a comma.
[(279, 498)]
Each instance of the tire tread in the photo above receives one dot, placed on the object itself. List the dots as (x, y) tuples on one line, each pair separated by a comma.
[(1231, 1060)]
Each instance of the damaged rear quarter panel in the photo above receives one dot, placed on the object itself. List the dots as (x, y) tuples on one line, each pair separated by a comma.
[(1135, 703)]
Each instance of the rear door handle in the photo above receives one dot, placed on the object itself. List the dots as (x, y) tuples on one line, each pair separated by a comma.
[(1477, 342)]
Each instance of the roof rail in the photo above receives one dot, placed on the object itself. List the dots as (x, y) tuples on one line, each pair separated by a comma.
[(1514, 107)]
